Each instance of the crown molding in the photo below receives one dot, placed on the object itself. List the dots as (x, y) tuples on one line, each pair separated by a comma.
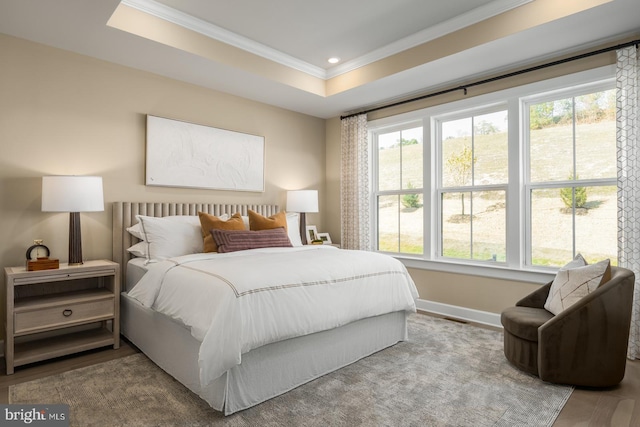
[(215, 32), (210, 30), (474, 16)]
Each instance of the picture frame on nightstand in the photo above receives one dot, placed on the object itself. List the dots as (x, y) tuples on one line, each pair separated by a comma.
[(326, 239), (312, 233)]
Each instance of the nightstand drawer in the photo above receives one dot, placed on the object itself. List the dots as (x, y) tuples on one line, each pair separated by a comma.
[(63, 314)]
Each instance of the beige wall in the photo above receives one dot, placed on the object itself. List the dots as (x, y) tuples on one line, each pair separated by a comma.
[(63, 113), (478, 293)]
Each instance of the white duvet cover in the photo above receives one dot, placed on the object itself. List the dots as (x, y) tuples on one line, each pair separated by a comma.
[(239, 301)]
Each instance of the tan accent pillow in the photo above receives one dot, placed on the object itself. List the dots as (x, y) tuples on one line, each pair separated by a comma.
[(259, 222), (573, 284), (210, 222)]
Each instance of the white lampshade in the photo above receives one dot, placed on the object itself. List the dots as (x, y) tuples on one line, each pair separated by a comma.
[(302, 201), (72, 194)]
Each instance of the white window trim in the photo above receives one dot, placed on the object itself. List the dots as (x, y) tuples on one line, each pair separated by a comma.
[(514, 268)]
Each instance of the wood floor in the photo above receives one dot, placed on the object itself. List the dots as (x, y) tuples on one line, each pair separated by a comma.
[(616, 407)]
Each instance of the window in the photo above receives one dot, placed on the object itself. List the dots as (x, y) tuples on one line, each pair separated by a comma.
[(524, 178), (472, 193), (399, 196), (571, 190)]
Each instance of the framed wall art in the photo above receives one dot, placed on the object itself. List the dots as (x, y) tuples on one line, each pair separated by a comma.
[(182, 154)]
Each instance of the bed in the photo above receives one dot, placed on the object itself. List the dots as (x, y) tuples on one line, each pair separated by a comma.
[(265, 367)]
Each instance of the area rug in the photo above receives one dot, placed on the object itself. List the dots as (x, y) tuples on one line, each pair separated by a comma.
[(446, 374)]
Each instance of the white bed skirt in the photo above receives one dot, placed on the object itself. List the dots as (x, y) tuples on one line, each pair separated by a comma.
[(265, 372)]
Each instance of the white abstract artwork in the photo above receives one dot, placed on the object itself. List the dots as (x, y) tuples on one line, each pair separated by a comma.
[(181, 154)]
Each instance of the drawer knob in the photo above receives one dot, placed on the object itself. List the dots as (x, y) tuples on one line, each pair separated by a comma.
[(67, 312)]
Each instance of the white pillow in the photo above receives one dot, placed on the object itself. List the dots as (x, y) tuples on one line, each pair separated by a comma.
[(171, 236), (137, 231), (139, 249), (293, 228), (572, 284)]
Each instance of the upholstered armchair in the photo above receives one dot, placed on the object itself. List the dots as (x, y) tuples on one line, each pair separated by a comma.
[(584, 345)]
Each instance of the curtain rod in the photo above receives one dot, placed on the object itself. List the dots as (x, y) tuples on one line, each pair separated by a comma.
[(501, 77)]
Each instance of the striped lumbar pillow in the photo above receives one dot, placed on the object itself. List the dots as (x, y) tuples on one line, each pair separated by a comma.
[(240, 240)]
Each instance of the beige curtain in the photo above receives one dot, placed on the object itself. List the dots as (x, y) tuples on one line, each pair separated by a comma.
[(354, 184), (628, 139)]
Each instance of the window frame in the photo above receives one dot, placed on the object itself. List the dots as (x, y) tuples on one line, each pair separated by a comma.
[(515, 266)]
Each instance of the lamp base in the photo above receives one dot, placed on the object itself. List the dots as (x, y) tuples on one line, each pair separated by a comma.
[(303, 228), (75, 239)]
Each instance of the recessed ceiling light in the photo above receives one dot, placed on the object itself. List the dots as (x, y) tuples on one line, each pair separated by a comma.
[(333, 60)]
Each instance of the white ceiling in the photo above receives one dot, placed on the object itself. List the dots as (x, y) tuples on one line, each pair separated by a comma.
[(303, 34), (314, 31)]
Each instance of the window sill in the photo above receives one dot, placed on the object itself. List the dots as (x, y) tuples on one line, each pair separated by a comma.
[(492, 271)]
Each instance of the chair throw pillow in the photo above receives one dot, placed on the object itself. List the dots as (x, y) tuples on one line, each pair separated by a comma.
[(236, 240), (572, 284)]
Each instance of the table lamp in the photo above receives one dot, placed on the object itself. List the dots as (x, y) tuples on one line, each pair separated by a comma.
[(73, 194), (302, 201)]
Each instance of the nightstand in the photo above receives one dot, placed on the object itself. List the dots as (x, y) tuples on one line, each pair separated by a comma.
[(52, 313)]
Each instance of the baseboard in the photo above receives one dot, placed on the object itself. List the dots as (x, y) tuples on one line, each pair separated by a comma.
[(460, 313)]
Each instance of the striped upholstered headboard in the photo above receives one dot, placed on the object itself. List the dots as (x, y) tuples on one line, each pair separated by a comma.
[(124, 216)]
